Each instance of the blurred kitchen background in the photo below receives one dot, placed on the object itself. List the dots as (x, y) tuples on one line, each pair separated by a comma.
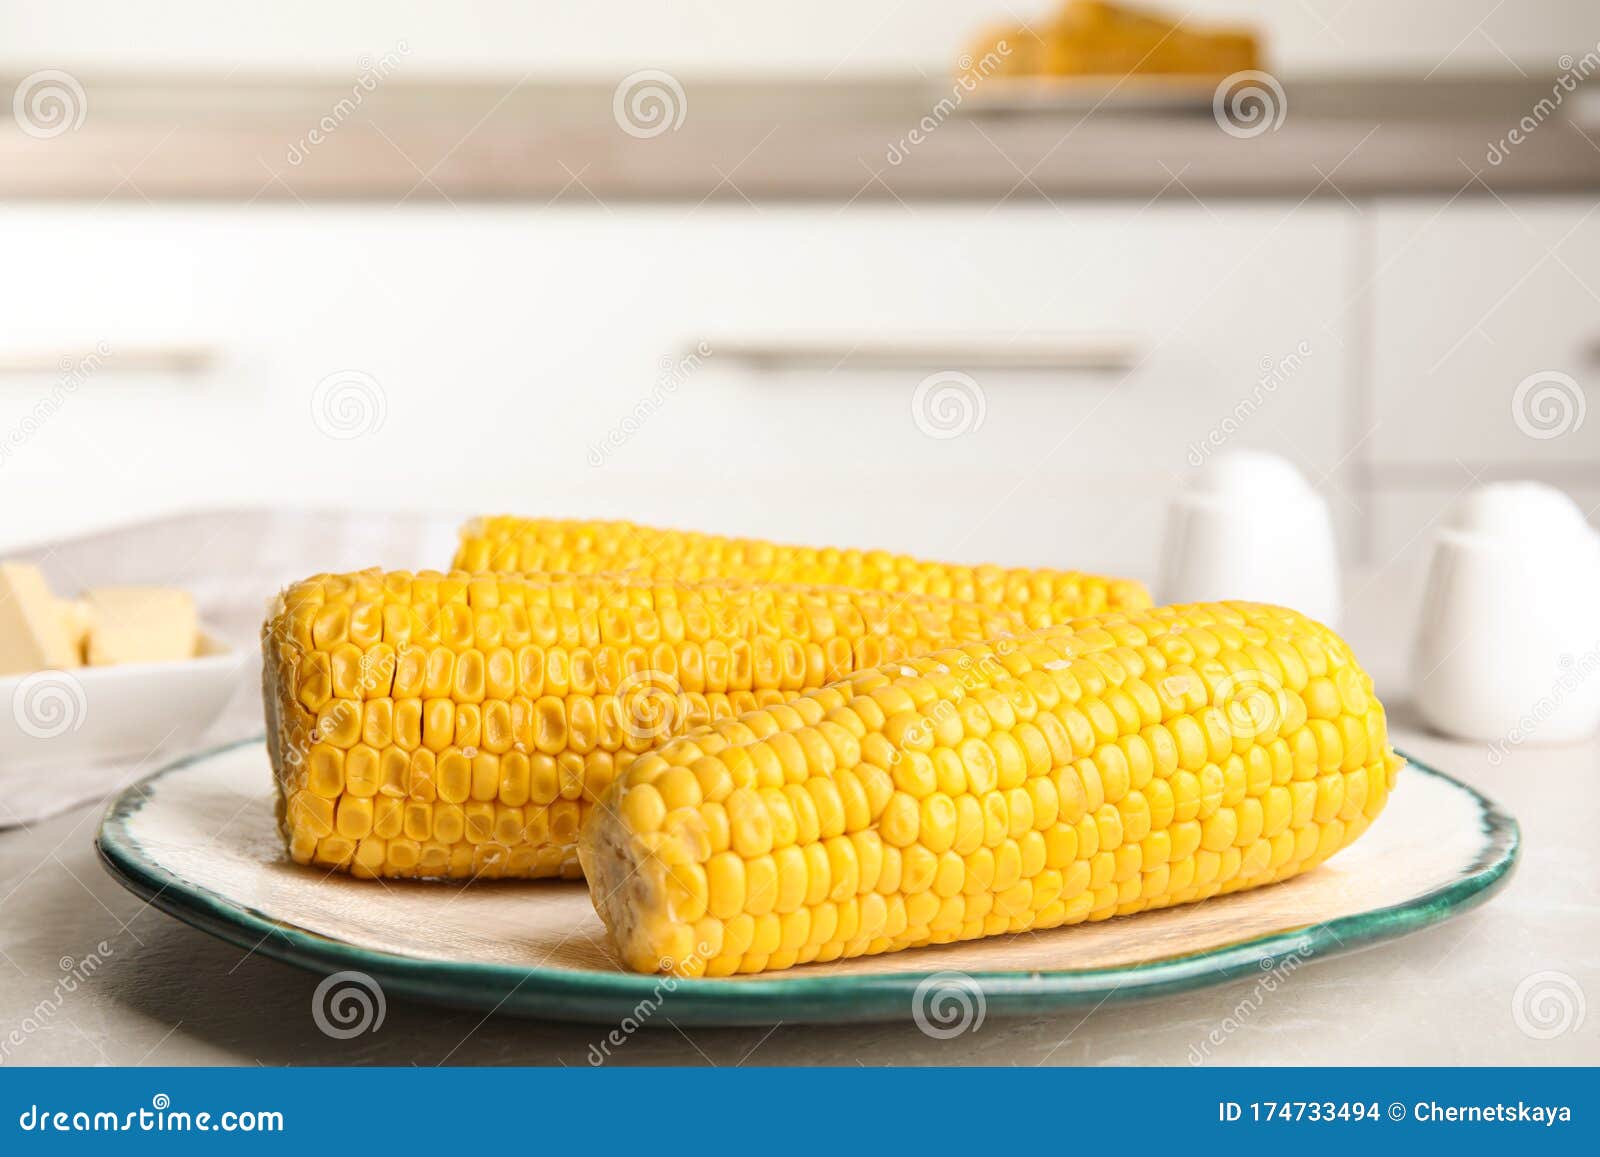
[(835, 272)]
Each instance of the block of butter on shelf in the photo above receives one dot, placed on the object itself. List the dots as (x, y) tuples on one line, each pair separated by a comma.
[(1095, 38), (140, 625), (34, 631)]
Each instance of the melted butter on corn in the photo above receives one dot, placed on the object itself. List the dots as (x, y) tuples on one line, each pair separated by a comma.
[(463, 725), (505, 543), (1095, 769)]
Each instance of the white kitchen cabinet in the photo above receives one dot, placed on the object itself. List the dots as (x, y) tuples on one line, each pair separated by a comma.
[(479, 357), (1487, 334), (514, 39)]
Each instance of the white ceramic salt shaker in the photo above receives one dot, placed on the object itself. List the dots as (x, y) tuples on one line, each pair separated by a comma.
[(1253, 528), (1508, 644)]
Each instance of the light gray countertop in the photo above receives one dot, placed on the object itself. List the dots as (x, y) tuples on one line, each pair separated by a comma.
[(903, 138), (167, 994)]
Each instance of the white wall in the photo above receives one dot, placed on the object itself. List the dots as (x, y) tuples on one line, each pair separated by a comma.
[(513, 37)]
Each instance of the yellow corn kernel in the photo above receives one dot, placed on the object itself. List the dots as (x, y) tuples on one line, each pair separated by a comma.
[(1043, 597), (1127, 786), (464, 694)]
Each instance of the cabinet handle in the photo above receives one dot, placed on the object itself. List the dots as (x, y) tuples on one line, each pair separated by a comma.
[(1078, 353), (115, 359)]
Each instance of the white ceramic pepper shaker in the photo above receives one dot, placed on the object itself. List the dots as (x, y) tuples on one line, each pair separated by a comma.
[(1508, 645)]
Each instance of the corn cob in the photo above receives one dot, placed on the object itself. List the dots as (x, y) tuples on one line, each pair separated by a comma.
[(1098, 768), (1044, 597), (431, 725)]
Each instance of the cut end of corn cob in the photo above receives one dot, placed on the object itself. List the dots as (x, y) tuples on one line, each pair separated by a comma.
[(464, 725), (1099, 768), (1044, 597)]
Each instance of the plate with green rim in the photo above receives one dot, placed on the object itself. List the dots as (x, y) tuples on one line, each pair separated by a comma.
[(198, 839)]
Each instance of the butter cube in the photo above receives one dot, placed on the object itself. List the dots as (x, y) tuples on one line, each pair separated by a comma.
[(141, 625), (33, 632), (75, 614)]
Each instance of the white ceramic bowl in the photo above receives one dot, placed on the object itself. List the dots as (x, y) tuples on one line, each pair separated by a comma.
[(94, 714)]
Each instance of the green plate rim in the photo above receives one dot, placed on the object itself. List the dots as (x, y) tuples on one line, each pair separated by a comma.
[(598, 997)]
